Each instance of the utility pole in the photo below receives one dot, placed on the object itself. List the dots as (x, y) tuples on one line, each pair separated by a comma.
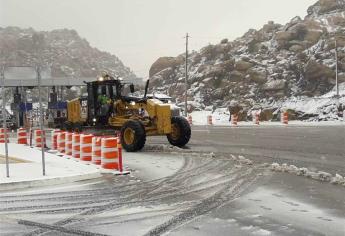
[(4, 120), (43, 135), (336, 68), (186, 78)]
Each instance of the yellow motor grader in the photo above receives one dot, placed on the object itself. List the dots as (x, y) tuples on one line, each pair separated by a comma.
[(105, 108)]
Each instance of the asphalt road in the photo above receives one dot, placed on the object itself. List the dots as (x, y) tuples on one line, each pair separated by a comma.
[(321, 147), (190, 192)]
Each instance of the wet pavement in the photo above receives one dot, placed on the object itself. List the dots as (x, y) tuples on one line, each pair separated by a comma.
[(195, 192), (279, 204)]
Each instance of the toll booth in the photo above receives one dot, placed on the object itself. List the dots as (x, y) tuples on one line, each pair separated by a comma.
[(21, 79), (20, 108), (57, 114)]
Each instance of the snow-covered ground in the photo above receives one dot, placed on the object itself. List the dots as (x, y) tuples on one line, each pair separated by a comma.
[(149, 166), (27, 171), (220, 117), (318, 109), (323, 107), (58, 169)]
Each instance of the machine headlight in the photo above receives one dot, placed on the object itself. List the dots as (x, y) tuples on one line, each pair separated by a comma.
[(132, 103), (100, 78), (94, 119)]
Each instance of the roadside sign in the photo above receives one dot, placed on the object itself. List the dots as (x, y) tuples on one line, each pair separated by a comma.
[(25, 106)]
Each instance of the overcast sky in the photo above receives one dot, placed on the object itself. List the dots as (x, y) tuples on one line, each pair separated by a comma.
[(140, 31)]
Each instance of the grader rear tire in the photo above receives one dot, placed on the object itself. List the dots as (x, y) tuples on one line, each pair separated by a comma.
[(180, 131), (133, 136)]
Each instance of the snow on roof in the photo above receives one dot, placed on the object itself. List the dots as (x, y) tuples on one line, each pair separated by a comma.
[(159, 96)]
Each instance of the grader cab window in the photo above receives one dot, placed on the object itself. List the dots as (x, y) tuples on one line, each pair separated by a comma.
[(102, 90), (114, 91)]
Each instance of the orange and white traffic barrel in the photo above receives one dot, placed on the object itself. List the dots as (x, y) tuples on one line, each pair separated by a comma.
[(54, 139), (76, 145), (61, 142), (40, 138), (234, 119), (86, 147), (96, 150), (68, 147), (285, 117), (209, 120), (2, 135), (110, 154), (22, 136), (190, 119)]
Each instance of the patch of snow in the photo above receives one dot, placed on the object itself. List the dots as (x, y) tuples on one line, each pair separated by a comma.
[(56, 167), (262, 232), (317, 175)]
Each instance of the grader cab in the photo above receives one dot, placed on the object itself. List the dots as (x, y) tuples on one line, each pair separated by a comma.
[(105, 108)]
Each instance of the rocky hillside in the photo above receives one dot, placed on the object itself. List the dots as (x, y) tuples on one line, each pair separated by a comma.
[(66, 52), (271, 64)]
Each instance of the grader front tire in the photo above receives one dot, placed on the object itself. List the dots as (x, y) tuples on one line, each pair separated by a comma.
[(180, 131), (133, 136)]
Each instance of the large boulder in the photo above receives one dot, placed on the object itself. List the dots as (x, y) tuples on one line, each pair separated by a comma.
[(274, 85), (304, 34), (266, 114), (292, 114), (177, 89), (236, 76), (325, 6), (312, 31), (270, 27), (242, 115), (224, 41), (228, 65), (163, 63), (296, 48), (257, 76), (215, 71), (210, 52), (316, 71), (218, 94), (283, 38), (234, 107), (163, 75), (242, 65)]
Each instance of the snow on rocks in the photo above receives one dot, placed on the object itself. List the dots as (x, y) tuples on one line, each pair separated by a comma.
[(233, 157), (338, 179), (173, 150), (313, 175), (293, 169), (302, 171), (163, 148), (242, 160), (317, 175), (324, 176), (274, 64), (275, 167)]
